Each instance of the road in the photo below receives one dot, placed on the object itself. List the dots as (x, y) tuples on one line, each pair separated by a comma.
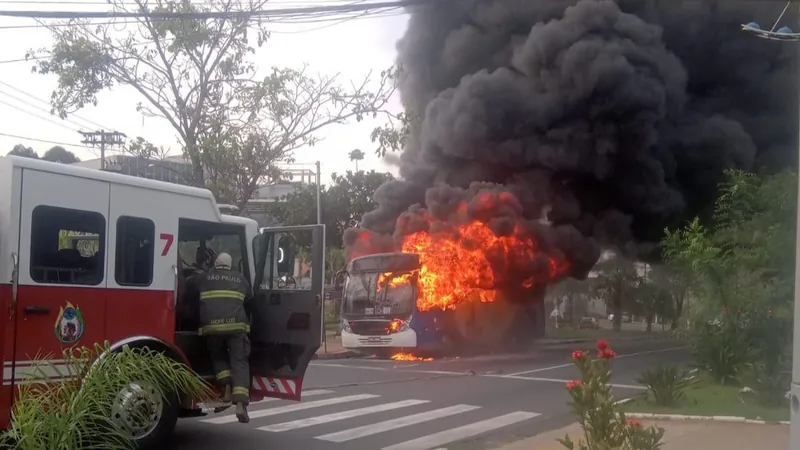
[(475, 403)]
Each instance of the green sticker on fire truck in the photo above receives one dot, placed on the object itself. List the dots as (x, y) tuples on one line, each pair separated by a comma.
[(69, 324)]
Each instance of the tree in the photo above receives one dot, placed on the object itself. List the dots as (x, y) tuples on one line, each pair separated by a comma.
[(60, 155), (343, 203), (616, 282), (197, 75), (356, 156), (746, 256), (574, 295), (25, 152)]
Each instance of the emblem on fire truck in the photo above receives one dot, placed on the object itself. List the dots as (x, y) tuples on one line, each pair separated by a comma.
[(69, 324)]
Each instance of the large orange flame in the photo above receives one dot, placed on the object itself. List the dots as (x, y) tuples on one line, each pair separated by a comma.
[(455, 264)]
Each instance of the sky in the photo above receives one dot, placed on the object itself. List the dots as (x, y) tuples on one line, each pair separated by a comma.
[(351, 49)]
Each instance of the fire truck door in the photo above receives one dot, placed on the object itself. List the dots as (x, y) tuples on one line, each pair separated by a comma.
[(287, 307), (61, 294)]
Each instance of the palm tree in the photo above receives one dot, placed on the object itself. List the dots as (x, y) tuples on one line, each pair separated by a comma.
[(92, 414), (356, 155)]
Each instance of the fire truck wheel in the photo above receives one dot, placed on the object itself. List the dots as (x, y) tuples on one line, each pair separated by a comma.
[(148, 417)]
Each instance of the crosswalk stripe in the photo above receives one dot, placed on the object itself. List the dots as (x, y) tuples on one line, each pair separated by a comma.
[(466, 431), (211, 405), (291, 408), (340, 416), (393, 424)]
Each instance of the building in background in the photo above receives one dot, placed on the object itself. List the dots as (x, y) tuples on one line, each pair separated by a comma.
[(175, 169)]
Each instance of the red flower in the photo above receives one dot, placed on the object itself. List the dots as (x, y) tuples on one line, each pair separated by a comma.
[(573, 384), (606, 354), (602, 344), (636, 423), (578, 355)]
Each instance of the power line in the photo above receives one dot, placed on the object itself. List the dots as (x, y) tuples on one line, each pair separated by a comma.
[(61, 124), (287, 18), (44, 141), (247, 15), (95, 124)]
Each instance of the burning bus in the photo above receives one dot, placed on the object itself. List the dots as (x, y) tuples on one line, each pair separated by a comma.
[(461, 282), (383, 313)]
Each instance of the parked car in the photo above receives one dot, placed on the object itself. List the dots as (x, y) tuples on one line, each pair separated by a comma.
[(589, 322)]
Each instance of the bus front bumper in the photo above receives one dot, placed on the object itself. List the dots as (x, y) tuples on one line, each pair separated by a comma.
[(406, 339)]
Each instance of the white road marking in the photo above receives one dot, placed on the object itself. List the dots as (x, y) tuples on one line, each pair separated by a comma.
[(346, 366), (291, 408), (463, 432), (302, 423), (393, 424), (627, 355), (559, 380), (310, 393)]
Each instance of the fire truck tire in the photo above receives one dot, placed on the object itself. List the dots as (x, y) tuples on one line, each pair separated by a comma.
[(164, 411), (168, 409)]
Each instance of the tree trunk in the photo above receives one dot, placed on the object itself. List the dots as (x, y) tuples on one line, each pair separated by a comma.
[(618, 312), (649, 323), (678, 311)]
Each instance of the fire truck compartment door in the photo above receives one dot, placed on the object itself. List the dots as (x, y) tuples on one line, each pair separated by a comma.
[(286, 313)]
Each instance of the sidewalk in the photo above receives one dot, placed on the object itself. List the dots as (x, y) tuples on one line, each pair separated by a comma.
[(680, 435)]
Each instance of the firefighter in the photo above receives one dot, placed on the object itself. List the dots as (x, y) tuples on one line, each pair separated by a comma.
[(224, 301)]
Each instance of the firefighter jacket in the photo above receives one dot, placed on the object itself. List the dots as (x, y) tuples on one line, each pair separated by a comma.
[(223, 298)]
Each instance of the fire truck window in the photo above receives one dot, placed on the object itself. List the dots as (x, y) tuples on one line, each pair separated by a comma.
[(67, 246), (134, 259)]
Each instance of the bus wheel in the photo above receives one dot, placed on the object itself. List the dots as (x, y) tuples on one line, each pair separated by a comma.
[(148, 417)]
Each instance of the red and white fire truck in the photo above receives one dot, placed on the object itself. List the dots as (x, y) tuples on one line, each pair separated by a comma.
[(88, 256)]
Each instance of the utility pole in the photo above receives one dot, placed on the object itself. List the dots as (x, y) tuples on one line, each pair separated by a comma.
[(102, 138), (322, 294)]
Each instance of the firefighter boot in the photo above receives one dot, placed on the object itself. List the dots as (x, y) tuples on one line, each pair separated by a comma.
[(241, 413), (228, 395)]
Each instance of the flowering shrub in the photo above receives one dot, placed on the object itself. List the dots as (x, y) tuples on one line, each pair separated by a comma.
[(604, 428)]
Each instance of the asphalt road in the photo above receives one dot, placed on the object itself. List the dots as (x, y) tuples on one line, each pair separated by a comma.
[(475, 403)]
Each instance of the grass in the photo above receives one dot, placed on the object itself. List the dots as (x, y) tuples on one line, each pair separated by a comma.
[(708, 399)]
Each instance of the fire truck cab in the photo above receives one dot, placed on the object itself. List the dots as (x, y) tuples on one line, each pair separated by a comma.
[(88, 256)]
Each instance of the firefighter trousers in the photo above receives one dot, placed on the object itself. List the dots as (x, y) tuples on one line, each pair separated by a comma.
[(230, 355)]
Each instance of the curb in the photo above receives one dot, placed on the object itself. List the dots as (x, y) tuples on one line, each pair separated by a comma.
[(681, 417), (546, 342)]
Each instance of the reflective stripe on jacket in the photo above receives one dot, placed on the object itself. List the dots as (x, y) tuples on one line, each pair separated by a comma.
[(223, 294)]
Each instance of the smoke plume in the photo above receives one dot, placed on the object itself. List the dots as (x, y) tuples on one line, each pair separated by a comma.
[(607, 120)]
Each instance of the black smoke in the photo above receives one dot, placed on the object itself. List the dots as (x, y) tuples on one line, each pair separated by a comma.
[(612, 118)]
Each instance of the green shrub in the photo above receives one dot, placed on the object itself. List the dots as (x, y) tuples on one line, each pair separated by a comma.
[(605, 427), (666, 385), (721, 349), (78, 415)]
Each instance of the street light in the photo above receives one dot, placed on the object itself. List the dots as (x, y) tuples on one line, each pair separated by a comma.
[(785, 33)]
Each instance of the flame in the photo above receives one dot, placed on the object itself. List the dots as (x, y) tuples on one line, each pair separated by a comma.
[(469, 261), (394, 325), (409, 357), (393, 280)]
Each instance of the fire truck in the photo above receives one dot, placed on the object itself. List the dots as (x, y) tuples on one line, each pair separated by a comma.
[(90, 257)]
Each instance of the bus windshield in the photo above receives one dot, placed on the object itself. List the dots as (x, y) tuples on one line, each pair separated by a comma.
[(373, 293)]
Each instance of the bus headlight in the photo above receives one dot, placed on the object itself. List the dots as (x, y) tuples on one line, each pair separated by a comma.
[(397, 325), (346, 326)]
